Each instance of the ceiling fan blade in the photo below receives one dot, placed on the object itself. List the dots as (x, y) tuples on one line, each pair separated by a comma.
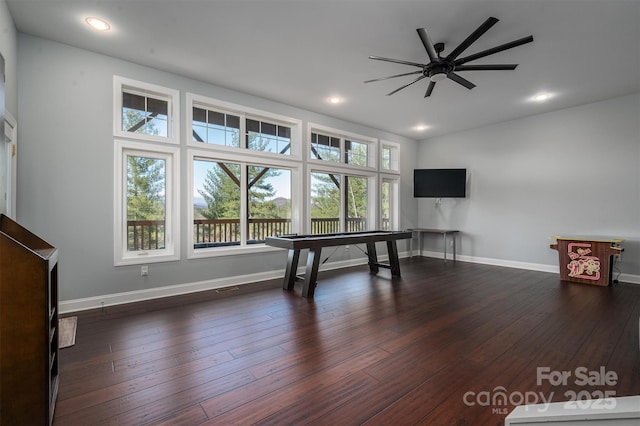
[(502, 67), (397, 61), (426, 41), (407, 85), (490, 22), (393, 76), (432, 84), (466, 83), (493, 50)]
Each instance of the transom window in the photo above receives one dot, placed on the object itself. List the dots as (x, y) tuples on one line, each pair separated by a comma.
[(144, 114), (217, 124), (332, 145), (145, 111), (215, 127), (389, 156), (325, 147), (357, 153), (268, 137)]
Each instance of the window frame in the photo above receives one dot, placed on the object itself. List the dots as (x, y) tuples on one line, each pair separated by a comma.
[(372, 151), (394, 207), (122, 84), (244, 161), (171, 251), (394, 157), (372, 193), (244, 113)]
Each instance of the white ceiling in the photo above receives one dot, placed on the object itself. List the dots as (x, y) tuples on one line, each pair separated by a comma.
[(300, 52)]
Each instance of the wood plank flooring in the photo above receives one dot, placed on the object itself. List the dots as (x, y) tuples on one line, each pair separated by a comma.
[(437, 347)]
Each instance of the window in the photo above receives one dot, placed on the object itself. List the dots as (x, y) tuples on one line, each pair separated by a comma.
[(390, 157), (357, 201), (268, 137), (219, 125), (146, 193), (145, 111), (335, 146), (389, 203), (215, 127), (216, 208), (325, 203), (340, 202), (356, 153), (325, 147), (144, 114), (238, 202)]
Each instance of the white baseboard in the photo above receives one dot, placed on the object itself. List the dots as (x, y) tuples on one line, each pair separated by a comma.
[(76, 305), (627, 278)]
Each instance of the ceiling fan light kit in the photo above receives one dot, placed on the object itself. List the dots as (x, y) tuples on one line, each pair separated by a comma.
[(440, 68)]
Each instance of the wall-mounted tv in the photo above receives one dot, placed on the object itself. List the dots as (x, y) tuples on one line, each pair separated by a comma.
[(440, 183)]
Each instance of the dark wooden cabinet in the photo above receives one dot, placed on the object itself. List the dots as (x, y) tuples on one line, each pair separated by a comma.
[(28, 326)]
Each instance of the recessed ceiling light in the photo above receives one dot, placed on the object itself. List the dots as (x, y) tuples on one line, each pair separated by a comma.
[(541, 97), (98, 24), (335, 100), (421, 127)]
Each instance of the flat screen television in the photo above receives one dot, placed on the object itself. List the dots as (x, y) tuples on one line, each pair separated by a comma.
[(440, 183)]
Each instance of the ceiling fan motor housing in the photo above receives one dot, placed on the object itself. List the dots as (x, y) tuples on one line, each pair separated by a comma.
[(438, 71)]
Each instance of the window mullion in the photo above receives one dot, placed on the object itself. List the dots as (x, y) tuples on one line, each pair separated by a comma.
[(244, 208)]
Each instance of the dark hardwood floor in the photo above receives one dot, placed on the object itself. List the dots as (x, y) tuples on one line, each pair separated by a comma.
[(437, 347)]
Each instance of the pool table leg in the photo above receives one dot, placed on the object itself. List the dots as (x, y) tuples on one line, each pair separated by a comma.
[(394, 262), (292, 267), (311, 273), (373, 258)]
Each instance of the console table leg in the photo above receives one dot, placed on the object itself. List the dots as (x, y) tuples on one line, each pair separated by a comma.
[(445, 246)]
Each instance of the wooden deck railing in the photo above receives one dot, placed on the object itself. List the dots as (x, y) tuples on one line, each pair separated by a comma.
[(150, 234), (145, 234)]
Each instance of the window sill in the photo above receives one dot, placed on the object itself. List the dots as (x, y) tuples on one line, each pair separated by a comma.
[(230, 251)]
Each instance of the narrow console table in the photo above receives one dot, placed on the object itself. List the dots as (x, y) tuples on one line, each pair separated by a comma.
[(444, 232), (587, 260)]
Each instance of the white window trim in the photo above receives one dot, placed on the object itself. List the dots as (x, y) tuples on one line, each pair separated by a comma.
[(243, 160), (372, 152), (372, 193), (243, 112), (394, 180), (173, 116), (395, 150), (171, 251)]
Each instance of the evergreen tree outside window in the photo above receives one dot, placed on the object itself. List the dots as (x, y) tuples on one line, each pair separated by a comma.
[(325, 203), (356, 198), (145, 114), (146, 207), (268, 137), (357, 153), (325, 147)]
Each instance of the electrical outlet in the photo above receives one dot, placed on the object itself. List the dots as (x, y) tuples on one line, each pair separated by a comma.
[(144, 270)]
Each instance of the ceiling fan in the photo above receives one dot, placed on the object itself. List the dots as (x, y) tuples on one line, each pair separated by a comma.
[(440, 68)]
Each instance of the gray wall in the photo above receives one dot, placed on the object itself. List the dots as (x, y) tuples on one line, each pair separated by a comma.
[(65, 180), (570, 172), (9, 48)]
